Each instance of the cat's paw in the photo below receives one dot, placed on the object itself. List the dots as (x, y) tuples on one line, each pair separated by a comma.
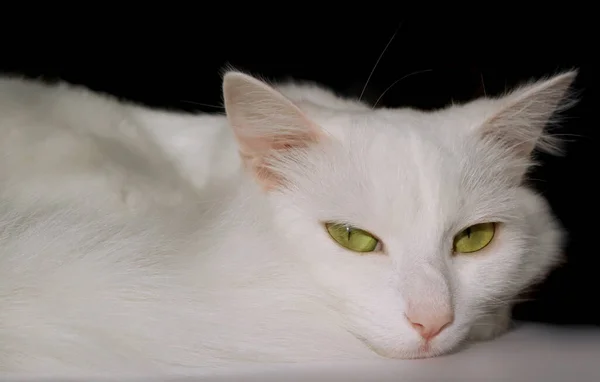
[(491, 325)]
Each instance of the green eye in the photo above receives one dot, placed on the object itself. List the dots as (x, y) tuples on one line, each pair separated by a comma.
[(351, 238), (475, 238)]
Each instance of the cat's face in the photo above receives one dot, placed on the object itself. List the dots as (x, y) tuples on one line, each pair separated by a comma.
[(416, 224)]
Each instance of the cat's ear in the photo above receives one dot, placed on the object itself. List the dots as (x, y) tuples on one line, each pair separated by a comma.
[(265, 123), (518, 121)]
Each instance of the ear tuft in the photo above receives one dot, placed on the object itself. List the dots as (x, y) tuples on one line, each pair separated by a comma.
[(523, 115), (519, 122)]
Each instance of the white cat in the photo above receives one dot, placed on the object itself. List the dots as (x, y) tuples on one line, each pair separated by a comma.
[(301, 227)]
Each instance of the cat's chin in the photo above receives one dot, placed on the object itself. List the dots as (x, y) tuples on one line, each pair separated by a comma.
[(420, 352), (416, 350)]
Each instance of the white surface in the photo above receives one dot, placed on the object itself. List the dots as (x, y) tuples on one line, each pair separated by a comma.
[(530, 352)]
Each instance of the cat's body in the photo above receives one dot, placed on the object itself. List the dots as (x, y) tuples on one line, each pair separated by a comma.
[(68, 300), (141, 240)]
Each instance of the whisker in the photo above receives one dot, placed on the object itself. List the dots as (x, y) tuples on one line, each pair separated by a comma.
[(569, 135), (483, 84), (202, 104), (398, 80), (377, 62)]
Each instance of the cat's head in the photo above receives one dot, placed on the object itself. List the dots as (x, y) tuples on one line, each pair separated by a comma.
[(416, 224)]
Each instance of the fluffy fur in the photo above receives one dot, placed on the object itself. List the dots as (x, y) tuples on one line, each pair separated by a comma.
[(137, 240)]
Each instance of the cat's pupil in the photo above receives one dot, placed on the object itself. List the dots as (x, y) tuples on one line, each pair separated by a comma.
[(348, 232), (468, 232)]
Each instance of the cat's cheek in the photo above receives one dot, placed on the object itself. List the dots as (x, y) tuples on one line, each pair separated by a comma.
[(484, 275), (494, 324)]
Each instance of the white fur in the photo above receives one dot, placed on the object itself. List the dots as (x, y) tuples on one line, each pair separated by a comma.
[(132, 240)]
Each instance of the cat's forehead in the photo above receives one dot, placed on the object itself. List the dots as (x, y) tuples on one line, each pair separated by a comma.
[(400, 141), (402, 165)]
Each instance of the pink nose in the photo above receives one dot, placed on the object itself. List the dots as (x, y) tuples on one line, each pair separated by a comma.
[(427, 324)]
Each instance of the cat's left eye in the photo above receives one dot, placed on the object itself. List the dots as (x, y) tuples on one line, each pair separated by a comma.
[(352, 238), (474, 238)]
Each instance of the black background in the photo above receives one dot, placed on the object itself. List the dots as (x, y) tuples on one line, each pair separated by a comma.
[(175, 60)]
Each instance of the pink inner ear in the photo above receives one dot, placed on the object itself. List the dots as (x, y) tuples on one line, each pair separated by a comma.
[(256, 152), (278, 142)]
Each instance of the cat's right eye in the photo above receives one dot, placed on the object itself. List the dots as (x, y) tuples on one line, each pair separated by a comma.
[(352, 238)]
